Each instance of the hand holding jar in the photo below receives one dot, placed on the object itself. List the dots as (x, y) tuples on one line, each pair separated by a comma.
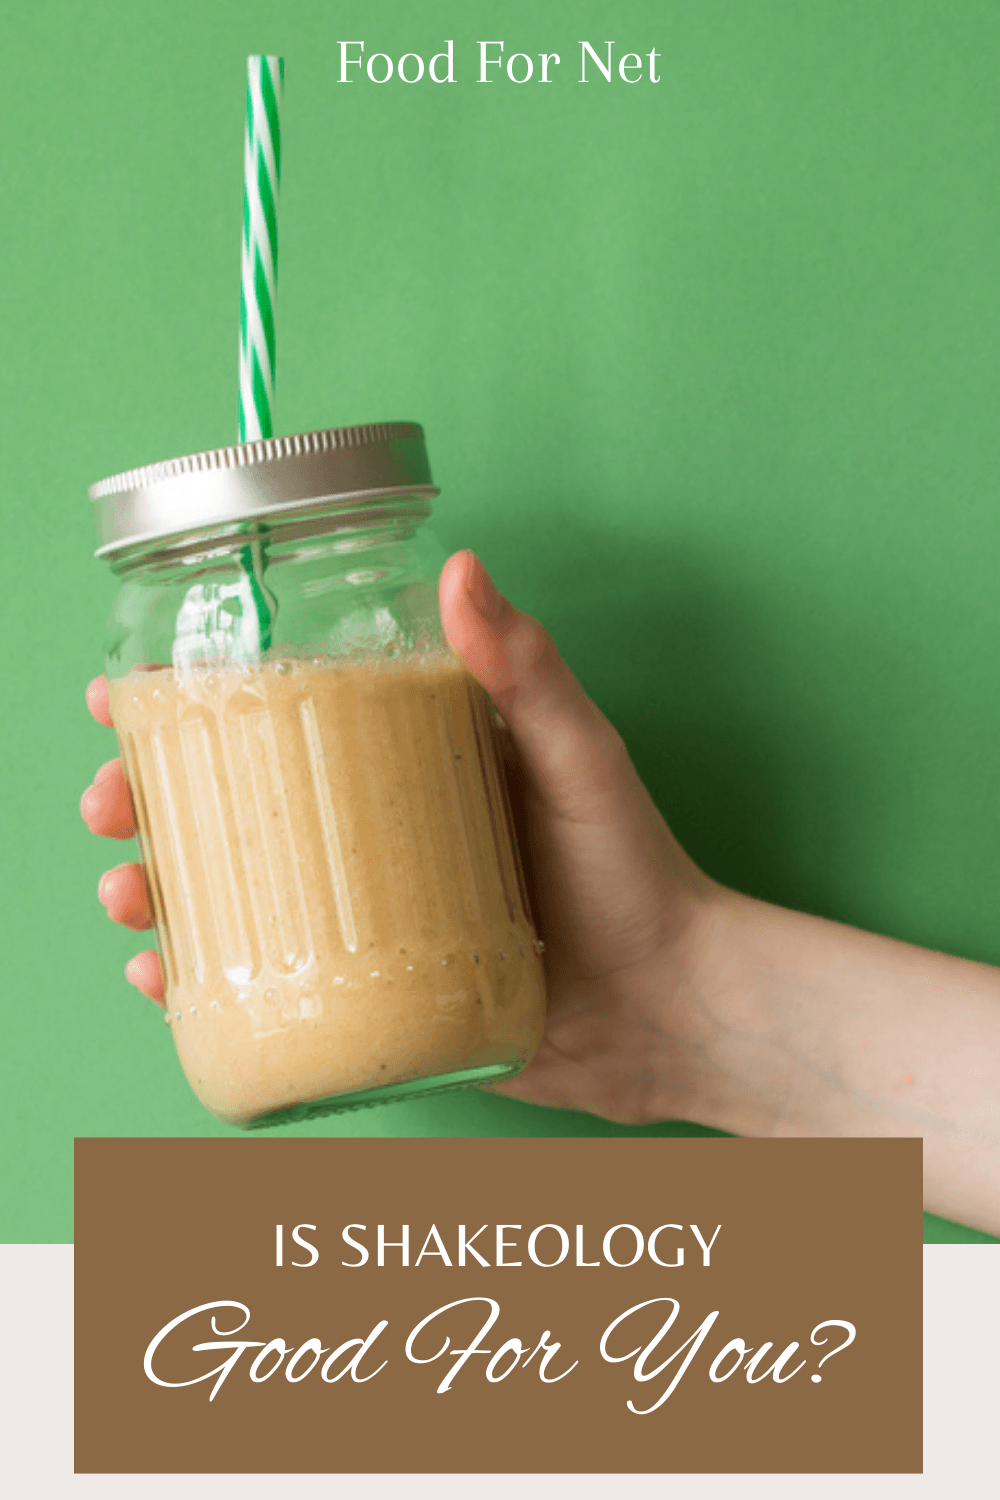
[(669, 996), (329, 857)]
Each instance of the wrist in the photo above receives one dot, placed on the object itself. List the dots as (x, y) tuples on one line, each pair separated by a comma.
[(722, 1060)]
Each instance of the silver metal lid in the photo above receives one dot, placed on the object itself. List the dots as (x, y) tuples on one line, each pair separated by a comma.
[(254, 480)]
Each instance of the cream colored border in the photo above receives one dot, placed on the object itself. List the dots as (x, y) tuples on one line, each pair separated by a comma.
[(962, 1397)]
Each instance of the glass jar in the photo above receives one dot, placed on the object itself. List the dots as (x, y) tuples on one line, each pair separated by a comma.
[(322, 814)]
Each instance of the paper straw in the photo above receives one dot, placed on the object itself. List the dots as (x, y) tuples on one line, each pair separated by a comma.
[(259, 278), (259, 288)]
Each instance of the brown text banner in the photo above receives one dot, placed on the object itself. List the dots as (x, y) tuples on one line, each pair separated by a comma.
[(585, 1305)]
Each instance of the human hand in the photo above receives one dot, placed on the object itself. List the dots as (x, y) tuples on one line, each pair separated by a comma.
[(669, 996), (623, 912), (616, 901), (672, 997), (106, 807)]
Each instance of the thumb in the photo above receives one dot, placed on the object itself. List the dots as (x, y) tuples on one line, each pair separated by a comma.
[(572, 755)]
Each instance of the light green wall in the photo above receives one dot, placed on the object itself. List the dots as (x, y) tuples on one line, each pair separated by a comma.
[(709, 371)]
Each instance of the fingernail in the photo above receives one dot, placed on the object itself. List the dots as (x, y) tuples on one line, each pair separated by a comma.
[(482, 592), (131, 971), (102, 888), (87, 803)]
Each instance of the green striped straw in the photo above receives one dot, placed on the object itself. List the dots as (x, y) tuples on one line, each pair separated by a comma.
[(259, 286)]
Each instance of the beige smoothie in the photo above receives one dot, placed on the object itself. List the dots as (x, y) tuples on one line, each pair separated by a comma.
[(337, 893)]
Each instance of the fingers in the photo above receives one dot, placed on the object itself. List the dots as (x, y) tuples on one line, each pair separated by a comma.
[(145, 973), (570, 752), (106, 806), (125, 897), (98, 700)]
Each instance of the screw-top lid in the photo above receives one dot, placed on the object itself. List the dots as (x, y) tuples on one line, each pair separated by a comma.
[(253, 480)]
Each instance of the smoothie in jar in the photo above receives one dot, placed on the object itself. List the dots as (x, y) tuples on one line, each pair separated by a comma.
[(328, 844), (321, 809)]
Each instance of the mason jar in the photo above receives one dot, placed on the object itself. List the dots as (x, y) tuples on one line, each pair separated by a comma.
[(321, 810)]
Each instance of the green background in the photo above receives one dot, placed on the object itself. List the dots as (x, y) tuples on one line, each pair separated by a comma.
[(709, 371)]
